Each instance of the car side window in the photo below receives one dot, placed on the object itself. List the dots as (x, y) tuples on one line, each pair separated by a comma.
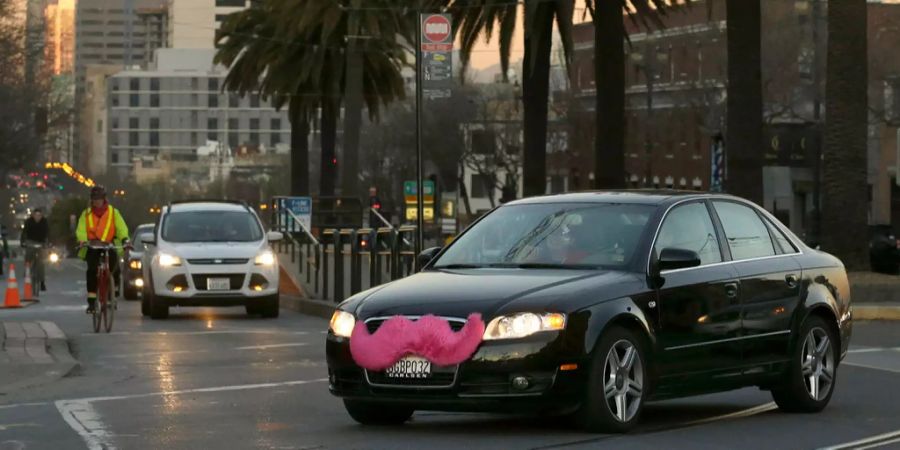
[(782, 243), (689, 227), (747, 235)]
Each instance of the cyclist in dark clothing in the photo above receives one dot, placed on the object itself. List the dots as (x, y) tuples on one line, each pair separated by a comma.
[(36, 231)]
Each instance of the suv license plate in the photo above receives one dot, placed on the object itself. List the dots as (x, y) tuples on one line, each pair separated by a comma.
[(410, 367), (218, 284)]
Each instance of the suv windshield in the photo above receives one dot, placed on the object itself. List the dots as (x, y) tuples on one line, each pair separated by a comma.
[(551, 235), (211, 226)]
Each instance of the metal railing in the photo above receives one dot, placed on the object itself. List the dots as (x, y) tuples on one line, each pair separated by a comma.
[(343, 262)]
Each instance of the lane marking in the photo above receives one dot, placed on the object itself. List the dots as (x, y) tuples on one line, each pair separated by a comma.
[(880, 444), (263, 347), (18, 405), (877, 440), (81, 416), (84, 420), (866, 366), (735, 415)]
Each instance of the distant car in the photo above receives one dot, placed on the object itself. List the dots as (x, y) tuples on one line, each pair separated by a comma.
[(591, 304), (884, 249), (132, 274), (209, 254)]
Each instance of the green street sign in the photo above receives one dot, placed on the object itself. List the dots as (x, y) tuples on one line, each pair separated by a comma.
[(410, 191)]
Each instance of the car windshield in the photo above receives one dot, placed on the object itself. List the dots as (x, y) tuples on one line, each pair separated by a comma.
[(211, 226), (551, 235)]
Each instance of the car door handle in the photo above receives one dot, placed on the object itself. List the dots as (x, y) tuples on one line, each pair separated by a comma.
[(791, 280), (731, 290)]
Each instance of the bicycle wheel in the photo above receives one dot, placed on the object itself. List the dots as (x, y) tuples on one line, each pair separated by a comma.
[(100, 302), (109, 314), (96, 315)]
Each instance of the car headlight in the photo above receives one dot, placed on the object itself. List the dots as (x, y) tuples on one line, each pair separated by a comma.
[(54, 258), (135, 264), (523, 324), (266, 258), (342, 323), (167, 260)]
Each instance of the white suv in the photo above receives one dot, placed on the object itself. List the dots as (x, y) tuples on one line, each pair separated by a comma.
[(209, 254)]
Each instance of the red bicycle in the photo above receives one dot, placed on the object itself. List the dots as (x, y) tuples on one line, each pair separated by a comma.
[(105, 308)]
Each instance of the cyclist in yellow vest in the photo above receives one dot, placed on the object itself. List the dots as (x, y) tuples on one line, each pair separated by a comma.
[(100, 222)]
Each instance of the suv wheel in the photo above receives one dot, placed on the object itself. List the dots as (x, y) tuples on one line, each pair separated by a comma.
[(158, 309), (271, 307), (146, 298)]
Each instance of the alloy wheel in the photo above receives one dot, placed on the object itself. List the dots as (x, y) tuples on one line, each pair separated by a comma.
[(623, 380), (817, 365)]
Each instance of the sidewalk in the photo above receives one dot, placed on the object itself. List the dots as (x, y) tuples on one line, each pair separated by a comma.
[(31, 354)]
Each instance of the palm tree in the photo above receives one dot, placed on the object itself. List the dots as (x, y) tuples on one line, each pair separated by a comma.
[(609, 74), (482, 18), (297, 55), (845, 184), (743, 135)]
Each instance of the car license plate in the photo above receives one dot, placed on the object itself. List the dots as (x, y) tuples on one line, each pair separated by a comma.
[(410, 367), (218, 284)]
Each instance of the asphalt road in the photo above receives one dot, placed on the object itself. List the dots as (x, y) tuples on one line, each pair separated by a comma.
[(214, 378)]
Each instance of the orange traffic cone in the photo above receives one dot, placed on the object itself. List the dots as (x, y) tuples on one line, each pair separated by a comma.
[(12, 290), (27, 290)]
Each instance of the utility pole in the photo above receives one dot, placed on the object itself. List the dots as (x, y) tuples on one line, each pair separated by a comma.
[(420, 184)]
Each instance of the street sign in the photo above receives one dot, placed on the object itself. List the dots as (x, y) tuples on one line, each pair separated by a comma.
[(428, 213), (437, 55), (302, 208), (410, 191)]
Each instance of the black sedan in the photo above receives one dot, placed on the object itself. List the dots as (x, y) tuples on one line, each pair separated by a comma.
[(593, 304)]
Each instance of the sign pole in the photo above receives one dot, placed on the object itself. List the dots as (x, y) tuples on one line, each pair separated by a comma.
[(420, 191)]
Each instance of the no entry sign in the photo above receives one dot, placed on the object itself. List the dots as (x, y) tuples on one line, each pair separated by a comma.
[(437, 34)]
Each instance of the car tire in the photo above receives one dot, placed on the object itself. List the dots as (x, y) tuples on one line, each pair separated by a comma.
[(369, 413), (807, 368), (616, 385), (146, 298), (271, 307), (254, 309), (158, 309)]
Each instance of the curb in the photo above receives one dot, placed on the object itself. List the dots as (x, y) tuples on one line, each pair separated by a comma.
[(316, 308), (23, 375), (876, 312)]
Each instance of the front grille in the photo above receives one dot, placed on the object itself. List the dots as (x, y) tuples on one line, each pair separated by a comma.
[(236, 280), (455, 324), (440, 377), (214, 261)]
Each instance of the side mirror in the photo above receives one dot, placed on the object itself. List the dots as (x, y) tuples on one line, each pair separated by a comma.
[(147, 239), (426, 256), (274, 236), (677, 258)]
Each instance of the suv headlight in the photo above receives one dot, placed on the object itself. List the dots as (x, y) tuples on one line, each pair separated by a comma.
[(167, 260), (342, 323), (523, 324), (266, 258)]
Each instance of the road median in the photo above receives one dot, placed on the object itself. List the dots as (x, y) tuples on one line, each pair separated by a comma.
[(32, 353)]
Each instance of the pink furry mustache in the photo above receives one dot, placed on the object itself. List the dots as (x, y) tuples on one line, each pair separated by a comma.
[(429, 337)]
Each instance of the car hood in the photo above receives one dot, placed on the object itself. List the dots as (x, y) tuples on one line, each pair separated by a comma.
[(458, 293), (216, 249)]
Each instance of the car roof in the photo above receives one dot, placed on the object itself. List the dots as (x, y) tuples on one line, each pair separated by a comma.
[(632, 196), (207, 206)]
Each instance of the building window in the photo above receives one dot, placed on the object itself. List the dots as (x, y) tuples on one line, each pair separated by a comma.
[(254, 124), (193, 139), (115, 101), (212, 136), (154, 139), (275, 139), (234, 101), (213, 84), (254, 101), (275, 124), (134, 100), (135, 84), (154, 84), (233, 124), (232, 140), (254, 138), (133, 139), (481, 185), (115, 123), (212, 124), (114, 157), (230, 3), (134, 123), (154, 123), (115, 85), (213, 101), (154, 100), (221, 17)]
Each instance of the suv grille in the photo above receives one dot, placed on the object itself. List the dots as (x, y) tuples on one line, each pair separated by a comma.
[(236, 280), (214, 261)]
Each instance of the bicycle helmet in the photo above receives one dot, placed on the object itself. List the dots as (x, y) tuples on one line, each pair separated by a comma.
[(98, 192)]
